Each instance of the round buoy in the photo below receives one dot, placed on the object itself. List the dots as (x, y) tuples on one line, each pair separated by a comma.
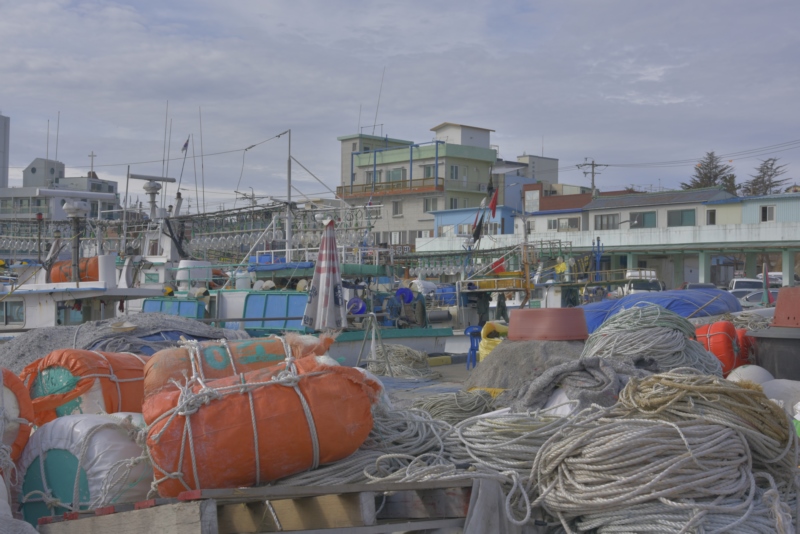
[(405, 295), (356, 306), (751, 373)]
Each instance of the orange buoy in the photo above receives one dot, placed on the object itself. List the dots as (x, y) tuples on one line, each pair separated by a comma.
[(87, 267), (16, 408), (746, 344), (69, 381), (720, 339), (251, 429)]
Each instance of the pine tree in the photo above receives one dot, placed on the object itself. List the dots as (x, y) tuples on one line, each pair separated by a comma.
[(765, 181), (711, 172)]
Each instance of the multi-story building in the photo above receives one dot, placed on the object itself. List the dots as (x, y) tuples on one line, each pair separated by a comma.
[(696, 235), (413, 180), (45, 190), (5, 135)]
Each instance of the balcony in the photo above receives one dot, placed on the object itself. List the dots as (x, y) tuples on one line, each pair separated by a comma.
[(416, 186)]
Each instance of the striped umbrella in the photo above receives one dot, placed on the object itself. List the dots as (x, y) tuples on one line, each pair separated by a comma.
[(326, 307)]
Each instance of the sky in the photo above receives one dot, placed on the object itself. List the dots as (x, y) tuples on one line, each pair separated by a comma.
[(626, 83)]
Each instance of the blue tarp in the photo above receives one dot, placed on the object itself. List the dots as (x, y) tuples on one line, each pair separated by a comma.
[(164, 335), (281, 266), (690, 303)]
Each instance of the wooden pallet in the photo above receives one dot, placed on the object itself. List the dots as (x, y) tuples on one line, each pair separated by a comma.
[(352, 508)]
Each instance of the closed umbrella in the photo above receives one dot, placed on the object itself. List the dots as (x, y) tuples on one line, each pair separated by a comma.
[(326, 307)]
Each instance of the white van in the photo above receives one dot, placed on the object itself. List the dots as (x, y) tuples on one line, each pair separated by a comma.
[(745, 283)]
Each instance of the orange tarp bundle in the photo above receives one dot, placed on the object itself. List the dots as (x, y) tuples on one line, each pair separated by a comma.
[(120, 377), (220, 437), (16, 439), (218, 361), (720, 339), (87, 267)]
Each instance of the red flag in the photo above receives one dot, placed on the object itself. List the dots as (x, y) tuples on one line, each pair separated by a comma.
[(493, 203)]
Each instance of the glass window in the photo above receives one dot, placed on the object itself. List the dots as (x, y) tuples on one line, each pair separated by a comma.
[(454, 172), (33, 170), (446, 230), (453, 203), (15, 312), (532, 201), (767, 213), (424, 233), (377, 176), (396, 175), (680, 218), (711, 217), (569, 224), (531, 226), (643, 219), (355, 147), (397, 207), (430, 204), (428, 171), (552, 224), (396, 240), (606, 222), (151, 278)]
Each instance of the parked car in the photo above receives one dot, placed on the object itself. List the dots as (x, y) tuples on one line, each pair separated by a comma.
[(697, 285), (739, 293), (641, 286), (755, 298), (745, 283)]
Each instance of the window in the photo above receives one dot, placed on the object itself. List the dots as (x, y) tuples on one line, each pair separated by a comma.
[(376, 175), (453, 203), (711, 217), (397, 238), (12, 312), (97, 187), (491, 228), (680, 218), (430, 204), (531, 227), (396, 175), (767, 213), (424, 233), (446, 230), (33, 170), (397, 208), (355, 147), (552, 224), (427, 171), (569, 224), (465, 204), (606, 222), (366, 149), (151, 278), (454, 172), (532, 201), (465, 229), (643, 219)]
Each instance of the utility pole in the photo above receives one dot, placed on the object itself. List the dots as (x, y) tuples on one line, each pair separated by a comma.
[(92, 156), (594, 166)]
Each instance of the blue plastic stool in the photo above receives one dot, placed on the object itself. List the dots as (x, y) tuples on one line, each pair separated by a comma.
[(474, 333)]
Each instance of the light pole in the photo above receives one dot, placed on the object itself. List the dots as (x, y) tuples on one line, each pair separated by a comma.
[(39, 218)]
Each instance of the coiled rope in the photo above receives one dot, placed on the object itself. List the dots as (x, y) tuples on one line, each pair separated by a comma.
[(404, 362), (456, 407), (649, 331)]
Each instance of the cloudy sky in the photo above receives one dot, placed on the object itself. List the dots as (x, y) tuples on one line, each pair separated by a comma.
[(623, 82)]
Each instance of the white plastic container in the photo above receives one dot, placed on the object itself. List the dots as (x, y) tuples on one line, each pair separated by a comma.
[(193, 273)]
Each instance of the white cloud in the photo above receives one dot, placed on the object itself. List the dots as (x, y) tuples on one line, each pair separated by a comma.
[(620, 81)]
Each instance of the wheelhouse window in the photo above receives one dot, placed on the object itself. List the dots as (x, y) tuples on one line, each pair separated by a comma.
[(12, 312)]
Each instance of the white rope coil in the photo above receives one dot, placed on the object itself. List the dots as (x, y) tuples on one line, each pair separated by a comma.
[(403, 361), (456, 407), (651, 332)]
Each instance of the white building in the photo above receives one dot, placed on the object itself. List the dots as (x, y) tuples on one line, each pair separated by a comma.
[(45, 190), (5, 138)]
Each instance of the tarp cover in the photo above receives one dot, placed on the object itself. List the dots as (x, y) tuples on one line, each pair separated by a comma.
[(689, 303)]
